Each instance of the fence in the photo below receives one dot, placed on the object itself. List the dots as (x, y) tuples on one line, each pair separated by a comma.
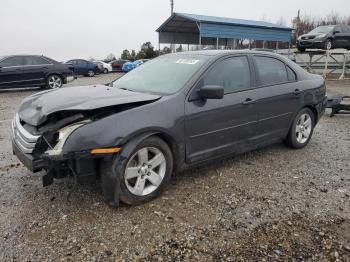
[(325, 62)]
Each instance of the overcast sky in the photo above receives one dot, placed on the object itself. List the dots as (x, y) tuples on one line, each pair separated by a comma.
[(65, 29)]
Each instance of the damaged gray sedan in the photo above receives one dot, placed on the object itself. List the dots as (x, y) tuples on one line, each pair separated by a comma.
[(174, 112)]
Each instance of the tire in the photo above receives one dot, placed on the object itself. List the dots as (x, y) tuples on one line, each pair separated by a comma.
[(328, 45), (143, 183), (91, 73), (105, 71), (54, 81), (301, 130)]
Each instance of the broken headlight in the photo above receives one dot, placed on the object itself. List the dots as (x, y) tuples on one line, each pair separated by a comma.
[(63, 134)]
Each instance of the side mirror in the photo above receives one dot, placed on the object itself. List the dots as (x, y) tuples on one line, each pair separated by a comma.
[(211, 92), (336, 32)]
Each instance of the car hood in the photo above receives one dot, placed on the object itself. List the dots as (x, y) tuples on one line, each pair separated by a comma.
[(35, 109)]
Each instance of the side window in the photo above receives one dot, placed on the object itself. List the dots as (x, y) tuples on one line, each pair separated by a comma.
[(34, 60), (345, 29), (338, 29), (270, 70), (12, 61), (291, 75), (232, 73)]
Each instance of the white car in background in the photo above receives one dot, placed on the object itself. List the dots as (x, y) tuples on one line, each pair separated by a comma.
[(106, 68)]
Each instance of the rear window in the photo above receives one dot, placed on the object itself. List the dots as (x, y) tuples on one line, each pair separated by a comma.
[(291, 75), (271, 71)]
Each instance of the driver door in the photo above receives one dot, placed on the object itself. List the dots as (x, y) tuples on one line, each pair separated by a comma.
[(340, 40), (216, 127)]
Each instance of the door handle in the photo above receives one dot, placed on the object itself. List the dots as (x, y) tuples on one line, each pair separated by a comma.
[(249, 101), (297, 92)]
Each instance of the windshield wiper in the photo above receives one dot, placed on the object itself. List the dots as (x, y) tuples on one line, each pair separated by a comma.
[(123, 88)]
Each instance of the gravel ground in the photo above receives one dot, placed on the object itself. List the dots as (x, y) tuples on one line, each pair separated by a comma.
[(273, 204)]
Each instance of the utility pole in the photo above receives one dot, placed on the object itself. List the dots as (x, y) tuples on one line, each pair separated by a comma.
[(298, 22), (172, 46), (172, 6)]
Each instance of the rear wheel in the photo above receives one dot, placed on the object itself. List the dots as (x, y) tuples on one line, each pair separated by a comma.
[(301, 130), (54, 82)]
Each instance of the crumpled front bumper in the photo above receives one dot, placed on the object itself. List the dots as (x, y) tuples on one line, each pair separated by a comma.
[(28, 160)]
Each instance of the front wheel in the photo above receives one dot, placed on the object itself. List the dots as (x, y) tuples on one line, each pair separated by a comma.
[(301, 130), (105, 71), (329, 44), (54, 82), (144, 174)]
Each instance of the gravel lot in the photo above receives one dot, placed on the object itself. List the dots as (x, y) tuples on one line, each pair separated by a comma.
[(273, 204)]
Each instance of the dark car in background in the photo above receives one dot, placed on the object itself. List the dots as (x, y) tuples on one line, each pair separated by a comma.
[(84, 67), (21, 71), (117, 65), (325, 37), (174, 112)]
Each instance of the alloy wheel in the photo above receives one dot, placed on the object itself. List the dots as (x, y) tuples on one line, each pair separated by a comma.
[(145, 171), (303, 128), (55, 82)]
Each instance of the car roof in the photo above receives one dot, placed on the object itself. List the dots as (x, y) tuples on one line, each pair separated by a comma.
[(214, 53), (45, 57)]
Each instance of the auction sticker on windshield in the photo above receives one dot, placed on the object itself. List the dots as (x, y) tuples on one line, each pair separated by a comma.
[(187, 61)]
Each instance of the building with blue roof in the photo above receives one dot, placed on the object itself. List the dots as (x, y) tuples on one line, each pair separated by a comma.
[(191, 29)]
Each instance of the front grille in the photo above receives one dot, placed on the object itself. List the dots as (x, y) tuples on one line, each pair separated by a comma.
[(25, 140), (307, 37), (305, 43)]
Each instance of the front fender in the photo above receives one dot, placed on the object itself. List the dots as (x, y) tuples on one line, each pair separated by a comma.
[(164, 117)]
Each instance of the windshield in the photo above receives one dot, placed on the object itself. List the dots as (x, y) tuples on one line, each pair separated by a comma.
[(322, 30), (164, 75)]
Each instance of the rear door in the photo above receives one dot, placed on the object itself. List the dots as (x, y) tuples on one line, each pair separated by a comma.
[(35, 69), (279, 96), (82, 67), (11, 72), (215, 127)]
